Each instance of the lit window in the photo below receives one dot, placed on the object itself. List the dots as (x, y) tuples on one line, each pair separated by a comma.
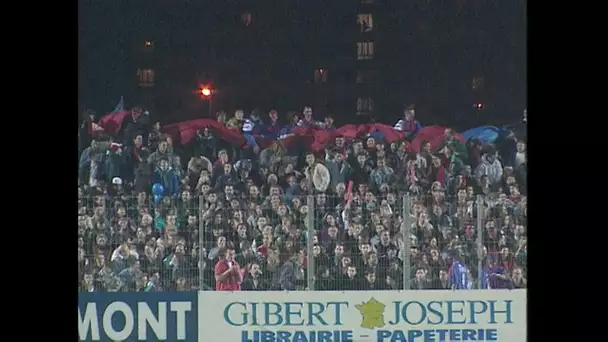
[(365, 106), (365, 50), (365, 22), (246, 18), (478, 83), (320, 75), (146, 77), (148, 43)]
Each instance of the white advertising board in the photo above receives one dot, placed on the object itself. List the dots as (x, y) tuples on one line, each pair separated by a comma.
[(391, 316)]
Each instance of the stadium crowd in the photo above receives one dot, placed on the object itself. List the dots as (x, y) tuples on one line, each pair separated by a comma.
[(239, 212)]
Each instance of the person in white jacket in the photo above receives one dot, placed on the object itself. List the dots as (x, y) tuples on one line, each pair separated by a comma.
[(490, 166)]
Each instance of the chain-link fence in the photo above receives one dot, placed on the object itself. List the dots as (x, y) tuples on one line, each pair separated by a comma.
[(385, 242), (282, 241), (130, 244)]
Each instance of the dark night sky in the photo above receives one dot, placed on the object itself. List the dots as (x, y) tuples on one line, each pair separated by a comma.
[(430, 49)]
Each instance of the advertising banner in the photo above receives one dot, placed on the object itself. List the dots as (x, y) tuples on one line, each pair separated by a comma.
[(395, 316), (138, 316)]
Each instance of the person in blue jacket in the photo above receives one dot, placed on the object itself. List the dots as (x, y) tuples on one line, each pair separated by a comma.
[(287, 130), (166, 176)]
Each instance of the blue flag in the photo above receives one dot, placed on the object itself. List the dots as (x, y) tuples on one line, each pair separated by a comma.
[(120, 106)]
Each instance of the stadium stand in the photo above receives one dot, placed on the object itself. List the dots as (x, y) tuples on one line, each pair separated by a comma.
[(301, 206)]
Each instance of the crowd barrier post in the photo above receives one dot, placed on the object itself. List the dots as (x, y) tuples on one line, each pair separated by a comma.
[(201, 242), (480, 228), (310, 233), (406, 226)]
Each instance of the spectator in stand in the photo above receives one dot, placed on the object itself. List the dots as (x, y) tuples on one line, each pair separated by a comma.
[(329, 123), (89, 129), (409, 125), (228, 276), (252, 125), (290, 126), (253, 280), (490, 167), (167, 176), (164, 152), (308, 121), (138, 123), (237, 219), (272, 130)]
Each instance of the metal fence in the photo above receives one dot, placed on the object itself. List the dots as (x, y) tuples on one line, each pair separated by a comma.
[(131, 244), (398, 242), (314, 242)]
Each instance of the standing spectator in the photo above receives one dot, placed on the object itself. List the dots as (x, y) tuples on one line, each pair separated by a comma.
[(179, 263), (129, 275), (136, 124), (163, 153), (507, 147), (226, 179), (154, 137), (87, 166), (409, 125), (287, 273), (134, 156), (253, 280), (272, 130), (495, 276), (89, 129), (490, 167), (143, 176), (287, 130), (307, 121), (114, 162), (474, 147), (205, 142), (381, 174), (166, 176), (520, 157), (228, 275), (237, 120), (458, 275)]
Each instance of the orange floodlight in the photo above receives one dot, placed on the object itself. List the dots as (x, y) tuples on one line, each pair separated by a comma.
[(206, 91)]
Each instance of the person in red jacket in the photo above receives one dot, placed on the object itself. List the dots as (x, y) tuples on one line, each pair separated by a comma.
[(228, 275)]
